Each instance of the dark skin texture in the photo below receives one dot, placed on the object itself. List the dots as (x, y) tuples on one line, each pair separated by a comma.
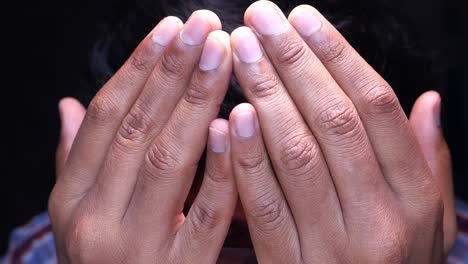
[(326, 165)]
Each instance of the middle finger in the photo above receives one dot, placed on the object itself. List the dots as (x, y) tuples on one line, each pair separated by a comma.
[(171, 161), (294, 152), (329, 113)]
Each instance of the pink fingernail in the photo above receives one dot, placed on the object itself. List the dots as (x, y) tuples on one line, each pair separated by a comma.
[(195, 31), (212, 55), (245, 124), (217, 140), (305, 21), (166, 30), (266, 19), (247, 46)]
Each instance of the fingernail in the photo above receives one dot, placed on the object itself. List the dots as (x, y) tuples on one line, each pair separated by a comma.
[(166, 30), (247, 47), (217, 140), (212, 55), (195, 31), (244, 124), (305, 21), (438, 112), (266, 19)]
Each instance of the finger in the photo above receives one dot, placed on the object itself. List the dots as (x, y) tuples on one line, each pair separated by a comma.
[(385, 122), (151, 110), (271, 225), (203, 233), (329, 113), (425, 121), (71, 113), (172, 159), (110, 105), (295, 154)]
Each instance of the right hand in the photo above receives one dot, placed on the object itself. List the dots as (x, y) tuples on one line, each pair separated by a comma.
[(120, 193), (331, 169)]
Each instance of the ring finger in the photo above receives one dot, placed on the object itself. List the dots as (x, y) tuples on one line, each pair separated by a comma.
[(271, 224)]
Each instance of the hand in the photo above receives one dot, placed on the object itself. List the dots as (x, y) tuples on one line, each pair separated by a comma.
[(121, 190), (327, 165)]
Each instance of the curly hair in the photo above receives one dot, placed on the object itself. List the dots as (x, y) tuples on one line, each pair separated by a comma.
[(376, 29)]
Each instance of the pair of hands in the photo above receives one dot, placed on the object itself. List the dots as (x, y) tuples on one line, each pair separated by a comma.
[(326, 164)]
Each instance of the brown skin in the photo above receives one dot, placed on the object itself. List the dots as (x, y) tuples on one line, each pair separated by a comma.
[(119, 196), (346, 180), (336, 175)]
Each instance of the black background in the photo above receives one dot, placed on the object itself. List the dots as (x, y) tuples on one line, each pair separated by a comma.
[(48, 43)]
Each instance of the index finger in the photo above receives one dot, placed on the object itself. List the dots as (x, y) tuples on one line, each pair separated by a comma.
[(111, 105), (380, 111)]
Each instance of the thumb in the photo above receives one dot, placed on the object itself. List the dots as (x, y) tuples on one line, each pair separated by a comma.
[(425, 121), (71, 113)]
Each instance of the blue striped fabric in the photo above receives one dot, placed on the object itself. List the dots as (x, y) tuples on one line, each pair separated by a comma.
[(34, 243), (459, 252)]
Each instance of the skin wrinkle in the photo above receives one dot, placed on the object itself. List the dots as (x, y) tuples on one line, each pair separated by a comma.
[(175, 164)]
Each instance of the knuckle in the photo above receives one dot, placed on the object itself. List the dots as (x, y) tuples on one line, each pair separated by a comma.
[(139, 61), (264, 85), (298, 154), (268, 214), (172, 67), (205, 218), (334, 51), (198, 94), (339, 119), (102, 109), (252, 163), (217, 175), (291, 52), (380, 99), (301, 160), (161, 160), (134, 127)]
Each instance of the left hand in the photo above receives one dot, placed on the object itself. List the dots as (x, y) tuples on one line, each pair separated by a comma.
[(347, 182)]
